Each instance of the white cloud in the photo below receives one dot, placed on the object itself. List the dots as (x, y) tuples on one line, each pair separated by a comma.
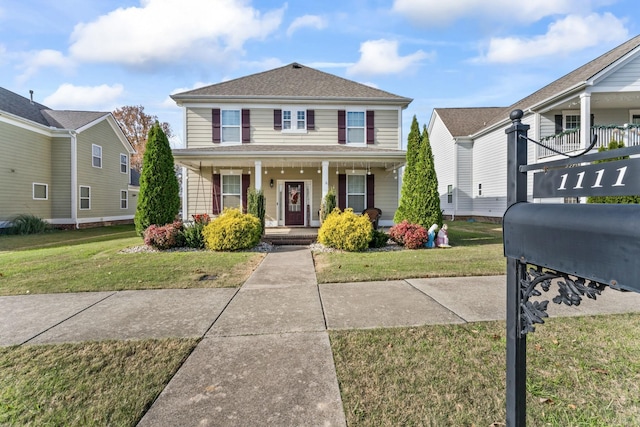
[(312, 21), (98, 98), (571, 34), (162, 31), (438, 12), (47, 58), (381, 57)]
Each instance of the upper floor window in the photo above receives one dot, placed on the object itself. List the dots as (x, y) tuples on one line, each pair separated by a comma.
[(230, 124), (294, 120), (96, 156), (355, 127), (124, 163)]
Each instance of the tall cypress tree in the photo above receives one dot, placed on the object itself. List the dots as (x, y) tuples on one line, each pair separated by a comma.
[(159, 199), (419, 200)]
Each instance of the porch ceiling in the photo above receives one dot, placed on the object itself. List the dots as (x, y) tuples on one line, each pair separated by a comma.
[(281, 157), (604, 100)]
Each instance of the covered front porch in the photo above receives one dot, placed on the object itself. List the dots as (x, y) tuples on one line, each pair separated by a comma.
[(294, 180)]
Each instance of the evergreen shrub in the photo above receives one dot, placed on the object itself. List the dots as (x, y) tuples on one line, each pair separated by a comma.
[(346, 231), (256, 205), (164, 237), (378, 239), (232, 231), (411, 236), (193, 232), (328, 204)]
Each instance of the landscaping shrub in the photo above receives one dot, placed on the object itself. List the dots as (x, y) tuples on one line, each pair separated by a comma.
[(29, 224), (411, 236), (346, 231), (378, 239), (164, 237), (256, 205), (232, 231), (328, 204), (193, 237)]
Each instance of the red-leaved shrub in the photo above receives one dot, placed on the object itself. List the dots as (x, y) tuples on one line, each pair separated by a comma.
[(164, 237), (411, 236)]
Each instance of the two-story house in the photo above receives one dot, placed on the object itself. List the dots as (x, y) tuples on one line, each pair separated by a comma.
[(293, 132), (469, 146), (70, 168)]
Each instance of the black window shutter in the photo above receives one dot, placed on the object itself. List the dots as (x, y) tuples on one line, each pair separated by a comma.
[(592, 119), (559, 127), (246, 125), (311, 120), (277, 119), (370, 192), (342, 127), (215, 120), (246, 179), (342, 191), (370, 127), (217, 194)]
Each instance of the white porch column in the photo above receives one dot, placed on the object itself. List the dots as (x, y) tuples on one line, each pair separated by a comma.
[(585, 119), (258, 174), (325, 178)]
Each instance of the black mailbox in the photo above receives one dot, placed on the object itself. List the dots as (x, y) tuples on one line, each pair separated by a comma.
[(599, 242)]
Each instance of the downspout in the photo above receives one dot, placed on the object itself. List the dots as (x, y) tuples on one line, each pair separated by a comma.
[(455, 179), (74, 178)]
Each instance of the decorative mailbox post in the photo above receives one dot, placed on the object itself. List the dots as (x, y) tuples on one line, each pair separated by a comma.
[(586, 247)]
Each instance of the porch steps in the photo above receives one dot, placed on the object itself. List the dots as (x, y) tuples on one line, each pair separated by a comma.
[(290, 240)]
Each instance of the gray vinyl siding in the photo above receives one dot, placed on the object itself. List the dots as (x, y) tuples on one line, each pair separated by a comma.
[(489, 170), (106, 182), (60, 190), (199, 128), (463, 195), (626, 78), (25, 159), (443, 148), (199, 191)]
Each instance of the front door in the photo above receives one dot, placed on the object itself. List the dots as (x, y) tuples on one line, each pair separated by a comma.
[(294, 203)]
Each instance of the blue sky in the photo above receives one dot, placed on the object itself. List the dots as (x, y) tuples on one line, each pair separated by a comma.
[(103, 54)]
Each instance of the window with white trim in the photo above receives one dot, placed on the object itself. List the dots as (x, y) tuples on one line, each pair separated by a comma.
[(96, 156), (479, 189), (294, 120), (356, 192), (355, 127), (124, 199), (231, 191), (124, 163), (571, 119), (449, 193), (40, 191), (230, 126), (85, 198)]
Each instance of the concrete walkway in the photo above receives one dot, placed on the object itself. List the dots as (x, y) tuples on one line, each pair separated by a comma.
[(265, 356)]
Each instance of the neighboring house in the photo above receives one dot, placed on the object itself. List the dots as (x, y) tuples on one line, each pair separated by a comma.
[(70, 168), (469, 144), (293, 132)]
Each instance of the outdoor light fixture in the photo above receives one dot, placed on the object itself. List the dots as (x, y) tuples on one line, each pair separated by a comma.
[(271, 183), (265, 171)]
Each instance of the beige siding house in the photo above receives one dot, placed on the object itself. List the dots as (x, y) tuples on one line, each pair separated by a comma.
[(293, 132), (70, 168), (601, 97)]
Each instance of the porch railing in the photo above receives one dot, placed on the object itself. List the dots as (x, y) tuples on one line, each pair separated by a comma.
[(569, 141)]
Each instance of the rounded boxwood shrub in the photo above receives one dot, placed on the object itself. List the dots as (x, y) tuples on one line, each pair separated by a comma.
[(346, 231), (411, 236), (232, 231)]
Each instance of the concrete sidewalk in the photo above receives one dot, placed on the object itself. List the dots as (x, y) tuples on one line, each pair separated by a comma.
[(265, 356)]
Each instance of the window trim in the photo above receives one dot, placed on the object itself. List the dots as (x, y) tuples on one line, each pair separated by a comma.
[(449, 194), (223, 126), (633, 113), (294, 119), (363, 127), (80, 198), (347, 194), (93, 157), (224, 174), (125, 164), (33, 191), (125, 200)]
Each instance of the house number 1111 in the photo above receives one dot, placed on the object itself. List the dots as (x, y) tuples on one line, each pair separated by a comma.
[(598, 181)]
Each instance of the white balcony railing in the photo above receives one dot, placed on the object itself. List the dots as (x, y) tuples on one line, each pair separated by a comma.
[(569, 141)]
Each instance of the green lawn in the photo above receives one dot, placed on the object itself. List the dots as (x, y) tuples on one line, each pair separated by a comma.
[(476, 251), (90, 260)]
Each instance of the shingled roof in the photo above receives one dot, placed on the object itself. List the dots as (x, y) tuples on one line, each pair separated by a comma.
[(466, 121), (23, 107), (293, 81), (570, 80)]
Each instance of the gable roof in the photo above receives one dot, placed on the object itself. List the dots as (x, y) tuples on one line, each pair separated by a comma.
[(466, 121), (293, 81), (571, 80), (25, 108)]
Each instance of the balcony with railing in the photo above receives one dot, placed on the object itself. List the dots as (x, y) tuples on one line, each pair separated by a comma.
[(569, 140)]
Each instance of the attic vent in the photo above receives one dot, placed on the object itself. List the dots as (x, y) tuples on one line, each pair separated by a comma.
[(296, 65)]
